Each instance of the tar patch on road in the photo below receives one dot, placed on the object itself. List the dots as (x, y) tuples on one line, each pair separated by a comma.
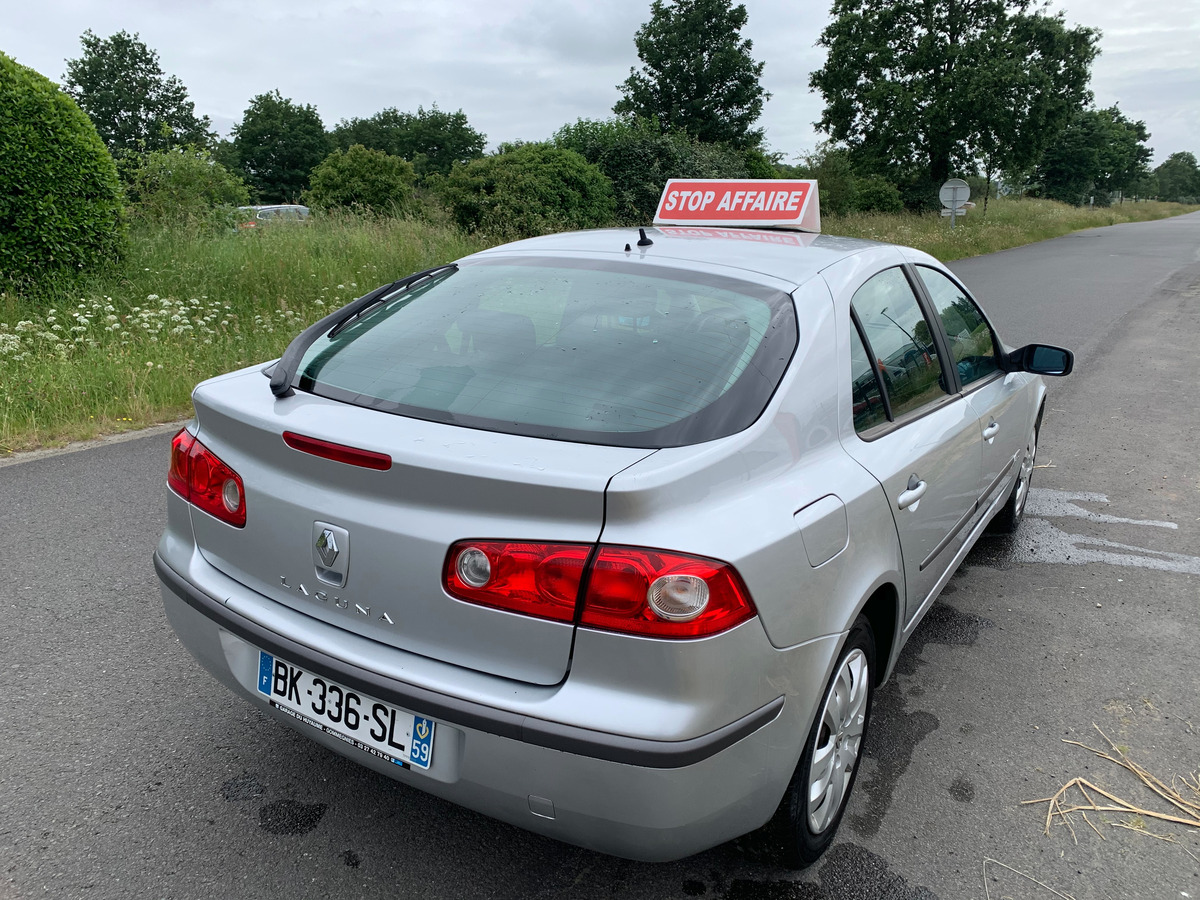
[(290, 817), (943, 624), (895, 732), (848, 872), (962, 790), (241, 788)]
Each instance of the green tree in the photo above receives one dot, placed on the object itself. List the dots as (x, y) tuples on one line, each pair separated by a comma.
[(276, 146), (432, 140), (362, 179), (697, 73), (532, 189), (1071, 165), (921, 88), (639, 158), (60, 199), (1179, 178), (1124, 156), (134, 105), (1100, 152), (181, 184)]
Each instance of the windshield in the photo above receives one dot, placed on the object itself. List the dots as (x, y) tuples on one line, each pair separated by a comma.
[(600, 352)]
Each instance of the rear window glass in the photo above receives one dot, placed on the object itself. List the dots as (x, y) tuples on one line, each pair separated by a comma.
[(631, 355)]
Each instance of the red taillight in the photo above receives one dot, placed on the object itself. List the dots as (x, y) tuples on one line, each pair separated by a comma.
[(662, 594), (352, 456), (200, 477), (629, 589), (539, 580), (177, 476)]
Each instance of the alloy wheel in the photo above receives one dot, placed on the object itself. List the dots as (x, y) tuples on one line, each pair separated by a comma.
[(839, 741)]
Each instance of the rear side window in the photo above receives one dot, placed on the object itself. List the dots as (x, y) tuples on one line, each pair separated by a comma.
[(901, 342), (865, 396), (611, 353)]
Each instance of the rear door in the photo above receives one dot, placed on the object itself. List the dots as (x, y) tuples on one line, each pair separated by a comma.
[(912, 430)]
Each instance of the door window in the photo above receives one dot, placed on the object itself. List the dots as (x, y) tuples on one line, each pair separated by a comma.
[(967, 330)]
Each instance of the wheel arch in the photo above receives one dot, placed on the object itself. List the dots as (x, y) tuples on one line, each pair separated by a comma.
[(882, 612)]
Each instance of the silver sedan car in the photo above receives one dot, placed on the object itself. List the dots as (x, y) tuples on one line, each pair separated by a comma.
[(609, 535)]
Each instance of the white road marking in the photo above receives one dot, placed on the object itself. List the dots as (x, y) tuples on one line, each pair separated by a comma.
[(1044, 502), (1039, 541)]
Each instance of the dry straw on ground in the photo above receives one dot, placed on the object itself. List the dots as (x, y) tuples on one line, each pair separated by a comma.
[(1082, 796)]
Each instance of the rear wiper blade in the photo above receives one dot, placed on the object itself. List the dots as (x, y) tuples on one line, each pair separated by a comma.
[(285, 369)]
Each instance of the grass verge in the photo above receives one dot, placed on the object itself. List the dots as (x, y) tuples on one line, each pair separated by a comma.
[(124, 350), (1008, 223)]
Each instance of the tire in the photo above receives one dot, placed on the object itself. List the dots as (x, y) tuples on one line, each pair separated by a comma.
[(803, 828), (1009, 518)]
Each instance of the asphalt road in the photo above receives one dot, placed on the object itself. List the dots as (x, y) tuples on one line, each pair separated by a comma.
[(125, 771)]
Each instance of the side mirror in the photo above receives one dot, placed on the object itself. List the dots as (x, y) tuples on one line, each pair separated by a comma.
[(1042, 359)]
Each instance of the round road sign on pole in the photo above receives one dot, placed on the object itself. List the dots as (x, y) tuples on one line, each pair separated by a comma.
[(954, 193)]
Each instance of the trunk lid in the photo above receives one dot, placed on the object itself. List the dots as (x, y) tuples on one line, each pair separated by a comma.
[(393, 528)]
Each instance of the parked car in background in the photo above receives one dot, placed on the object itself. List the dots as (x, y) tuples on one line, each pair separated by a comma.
[(611, 535), (257, 216)]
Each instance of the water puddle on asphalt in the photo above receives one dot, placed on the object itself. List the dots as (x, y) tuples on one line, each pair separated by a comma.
[(1041, 541)]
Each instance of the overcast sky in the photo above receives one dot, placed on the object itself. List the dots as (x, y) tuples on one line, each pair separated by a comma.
[(520, 69)]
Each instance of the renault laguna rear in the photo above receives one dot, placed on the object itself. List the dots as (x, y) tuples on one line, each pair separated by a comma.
[(561, 533)]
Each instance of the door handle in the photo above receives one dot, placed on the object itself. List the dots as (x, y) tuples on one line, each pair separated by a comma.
[(991, 431), (916, 490)]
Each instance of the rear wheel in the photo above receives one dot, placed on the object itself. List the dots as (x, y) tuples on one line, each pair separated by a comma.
[(816, 798)]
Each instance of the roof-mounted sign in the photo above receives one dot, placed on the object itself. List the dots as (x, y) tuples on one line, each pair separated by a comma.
[(777, 203)]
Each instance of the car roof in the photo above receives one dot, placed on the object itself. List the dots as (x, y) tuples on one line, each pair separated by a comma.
[(786, 255)]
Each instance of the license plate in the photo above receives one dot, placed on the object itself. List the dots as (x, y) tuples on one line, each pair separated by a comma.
[(366, 723)]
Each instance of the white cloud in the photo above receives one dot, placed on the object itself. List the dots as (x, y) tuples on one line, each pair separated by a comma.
[(521, 69)]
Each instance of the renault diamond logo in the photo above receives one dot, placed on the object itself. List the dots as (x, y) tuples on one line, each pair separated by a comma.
[(331, 553), (327, 547)]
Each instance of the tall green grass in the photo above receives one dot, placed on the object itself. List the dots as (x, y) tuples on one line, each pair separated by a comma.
[(124, 350)]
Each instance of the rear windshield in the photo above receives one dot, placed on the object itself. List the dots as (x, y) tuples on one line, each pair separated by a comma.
[(609, 353)]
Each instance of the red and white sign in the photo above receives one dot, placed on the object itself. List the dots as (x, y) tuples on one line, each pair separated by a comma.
[(770, 202)]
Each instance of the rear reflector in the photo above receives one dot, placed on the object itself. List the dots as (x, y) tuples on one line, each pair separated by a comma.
[(352, 456), (631, 590), (200, 477)]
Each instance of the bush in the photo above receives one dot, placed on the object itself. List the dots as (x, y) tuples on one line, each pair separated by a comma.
[(532, 189), (362, 179), (874, 193), (834, 172), (638, 158), (181, 185), (60, 198), (920, 194)]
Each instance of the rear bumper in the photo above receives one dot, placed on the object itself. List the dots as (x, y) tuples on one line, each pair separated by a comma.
[(454, 710), (634, 797)]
